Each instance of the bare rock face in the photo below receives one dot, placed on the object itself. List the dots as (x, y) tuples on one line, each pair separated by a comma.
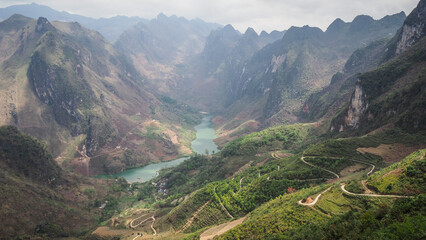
[(358, 106), (43, 25), (410, 34), (413, 29)]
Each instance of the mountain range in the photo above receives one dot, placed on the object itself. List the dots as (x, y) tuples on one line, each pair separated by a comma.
[(110, 28), (68, 86), (321, 133)]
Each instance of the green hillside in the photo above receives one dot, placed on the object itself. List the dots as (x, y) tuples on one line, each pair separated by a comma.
[(403, 178), (320, 134)]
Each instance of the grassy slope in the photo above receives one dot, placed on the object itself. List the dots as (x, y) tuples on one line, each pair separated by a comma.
[(39, 198), (340, 216), (404, 178), (261, 180)]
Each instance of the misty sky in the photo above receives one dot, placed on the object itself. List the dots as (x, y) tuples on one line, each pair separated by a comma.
[(260, 14)]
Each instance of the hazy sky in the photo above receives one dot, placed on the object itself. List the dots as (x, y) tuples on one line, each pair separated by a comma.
[(260, 14)]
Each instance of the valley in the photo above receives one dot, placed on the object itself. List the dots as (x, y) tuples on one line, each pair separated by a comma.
[(176, 128), (202, 144)]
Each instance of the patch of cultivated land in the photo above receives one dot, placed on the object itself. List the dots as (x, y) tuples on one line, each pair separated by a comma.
[(391, 153), (220, 229), (352, 169), (108, 232)]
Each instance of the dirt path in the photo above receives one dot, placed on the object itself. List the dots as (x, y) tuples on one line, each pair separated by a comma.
[(312, 165), (372, 166), (279, 155), (132, 223), (220, 229), (241, 180), (145, 220), (371, 195), (315, 201), (194, 215), (152, 225), (221, 204), (136, 237), (366, 190), (274, 155)]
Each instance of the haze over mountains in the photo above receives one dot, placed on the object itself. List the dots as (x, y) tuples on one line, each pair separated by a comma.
[(320, 130), (110, 28)]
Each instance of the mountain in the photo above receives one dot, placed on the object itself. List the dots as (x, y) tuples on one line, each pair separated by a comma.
[(314, 180), (68, 86), (337, 214), (348, 162), (278, 78), (35, 191), (392, 94), (209, 72), (271, 37), (110, 28), (161, 47), (42, 201)]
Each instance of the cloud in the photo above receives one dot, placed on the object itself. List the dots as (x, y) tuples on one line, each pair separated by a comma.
[(259, 14)]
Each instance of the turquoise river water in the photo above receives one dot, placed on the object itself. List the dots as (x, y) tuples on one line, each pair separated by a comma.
[(203, 142)]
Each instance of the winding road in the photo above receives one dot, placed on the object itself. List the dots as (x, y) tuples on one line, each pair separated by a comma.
[(372, 166), (152, 224), (315, 201), (312, 165), (335, 174), (371, 195)]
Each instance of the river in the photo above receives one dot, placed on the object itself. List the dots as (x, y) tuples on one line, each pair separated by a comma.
[(203, 142)]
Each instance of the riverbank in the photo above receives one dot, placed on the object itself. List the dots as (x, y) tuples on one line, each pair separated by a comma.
[(202, 144)]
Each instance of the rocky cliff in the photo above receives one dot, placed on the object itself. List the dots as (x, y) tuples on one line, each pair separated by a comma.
[(68, 86), (393, 93)]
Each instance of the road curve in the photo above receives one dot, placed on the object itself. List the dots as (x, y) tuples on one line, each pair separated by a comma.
[(152, 225), (131, 223), (312, 165), (136, 237), (372, 166), (371, 195), (315, 201)]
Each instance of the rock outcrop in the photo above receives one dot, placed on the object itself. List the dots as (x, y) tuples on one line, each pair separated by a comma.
[(358, 106), (413, 29)]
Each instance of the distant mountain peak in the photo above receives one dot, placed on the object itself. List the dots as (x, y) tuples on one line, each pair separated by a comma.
[(17, 16), (162, 16), (362, 19), (111, 28), (263, 34), (229, 27), (336, 25), (302, 33), (250, 32)]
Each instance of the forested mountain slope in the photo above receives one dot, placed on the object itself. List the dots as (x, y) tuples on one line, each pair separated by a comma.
[(276, 80), (66, 85), (39, 198)]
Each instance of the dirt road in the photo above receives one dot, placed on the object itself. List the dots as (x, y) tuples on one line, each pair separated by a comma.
[(316, 199), (371, 195)]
